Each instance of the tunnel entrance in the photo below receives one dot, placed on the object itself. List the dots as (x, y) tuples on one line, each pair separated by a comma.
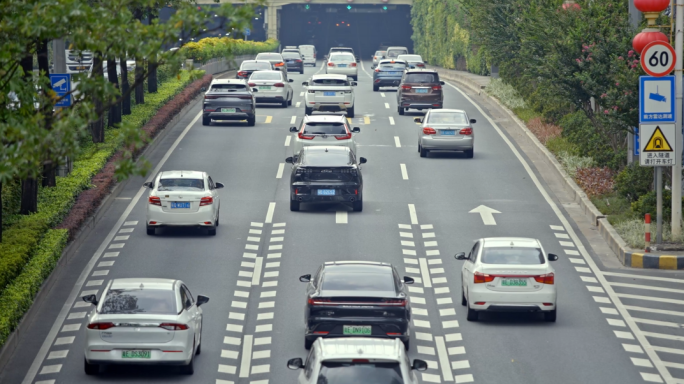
[(364, 27)]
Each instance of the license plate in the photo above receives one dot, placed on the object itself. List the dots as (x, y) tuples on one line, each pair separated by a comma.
[(329, 93), (136, 354), (264, 87), (180, 204), (421, 91), (326, 192), (448, 133), (356, 329), (342, 65), (228, 110), (514, 283)]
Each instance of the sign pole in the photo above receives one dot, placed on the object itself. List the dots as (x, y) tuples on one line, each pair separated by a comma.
[(677, 167), (659, 202)]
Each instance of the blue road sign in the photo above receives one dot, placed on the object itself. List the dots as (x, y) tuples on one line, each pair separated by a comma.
[(656, 99), (248, 31), (636, 141), (61, 84)]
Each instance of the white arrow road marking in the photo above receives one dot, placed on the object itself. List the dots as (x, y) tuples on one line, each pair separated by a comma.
[(486, 213)]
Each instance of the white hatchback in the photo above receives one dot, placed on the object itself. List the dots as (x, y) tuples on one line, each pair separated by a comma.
[(328, 130), (329, 93), (144, 321), (357, 360), (508, 274), (183, 199), (342, 63)]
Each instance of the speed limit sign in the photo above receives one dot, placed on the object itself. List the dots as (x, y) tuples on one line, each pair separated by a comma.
[(658, 58)]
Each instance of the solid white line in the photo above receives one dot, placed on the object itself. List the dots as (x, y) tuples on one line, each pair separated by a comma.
[(44, 349), (669, 350), (257, 270), (382, 94), (387, 105), (341, 217), (298, 104), (427, 283), (644, 277), (293, 120), (659, 323), (664, 336), (397, 142), (246, 356), (653, 310), (391, 119), (404, 174), (443, 359), (281, 167), (412, 213), (287, 140), (269, 214), (649, 298), (590, 262), (647, 287)]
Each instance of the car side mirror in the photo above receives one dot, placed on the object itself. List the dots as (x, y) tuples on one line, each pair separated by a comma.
[(289, 160), (356, 129), (296, 363), (473, 121), (255, 90), (460, 256), (358, 60), (219, 185), (201, 299), (148, 184), (363, 160), (441, 82), (293, 129), (417, 120), (203, 89), (305, 278), (419, 365), (92, 299), (290, 80), (305, 83), (353, 83), (553, 257), (408, 280)]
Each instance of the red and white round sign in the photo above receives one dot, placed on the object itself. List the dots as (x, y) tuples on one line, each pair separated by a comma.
[(658, 58)]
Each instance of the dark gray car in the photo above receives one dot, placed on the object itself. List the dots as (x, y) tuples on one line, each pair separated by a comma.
[(293, 61), (229, 99)]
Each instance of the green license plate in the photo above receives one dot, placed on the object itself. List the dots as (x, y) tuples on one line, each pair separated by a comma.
[(356, 329), (514, 283), (264, 87), (228, 110), (136, 354)]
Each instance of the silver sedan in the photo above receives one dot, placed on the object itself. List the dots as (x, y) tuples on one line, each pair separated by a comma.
[(446, 130)]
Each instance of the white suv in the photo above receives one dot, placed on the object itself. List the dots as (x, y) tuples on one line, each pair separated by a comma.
[(329, 93), (328, 130)]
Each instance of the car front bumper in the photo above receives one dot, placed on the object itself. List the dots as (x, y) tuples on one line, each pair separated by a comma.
[(451, 144)]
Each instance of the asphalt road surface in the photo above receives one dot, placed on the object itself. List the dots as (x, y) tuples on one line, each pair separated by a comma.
[(416, 216)]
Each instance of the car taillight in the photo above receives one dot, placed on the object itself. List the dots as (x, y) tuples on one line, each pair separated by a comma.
[(279, 85), (429, 131), (304, 137), (252, 84), (375, 57), (207, 200), (436, 87), (377, 69), (353, 64), (479, 278), (345, 137), (466, 131), (360, 361), (245, 97), (210, 97), (405, 87), (395, 302), (154, 200), (101, 326), (279, 64), (312, 91), (331, 64), (420, 65), (313, 301), (242, 73), (173, 326), (298, 61), (548, 278)]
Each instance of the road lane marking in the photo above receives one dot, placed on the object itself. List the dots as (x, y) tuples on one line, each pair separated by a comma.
[(298, 104), (301, 93), (425, 273), (443, 359), (293, 119), (391, 119), (269, 214), (257, 270), (268, 119), (341, 217), (387, 105), (382, 94), (246, 356), (281, 167), (366, 120), (287, 140), (412, 213), (397, 142), (404, 174)]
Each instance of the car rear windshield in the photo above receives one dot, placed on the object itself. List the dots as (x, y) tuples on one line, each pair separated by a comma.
[(447, 118), (265, 76), (341, 50), (396, 52), (421, 78), (397, 65), (325, 129), (227, 87), (380, 53), (512, 255), (337, 281), (253, 65), (268, 56), (342, 58), (181, 184), (337, 82), (157, 301), (327, 159), (411, 58), (291, 55), (366, 373)]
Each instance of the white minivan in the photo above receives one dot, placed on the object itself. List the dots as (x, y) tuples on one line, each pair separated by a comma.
[(309, 53)]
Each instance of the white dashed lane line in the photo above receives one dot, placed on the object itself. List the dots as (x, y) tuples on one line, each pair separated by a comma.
[(341, 217), (281, 168), (287, 140), (387, 105), (293, 119), (391, 120), (404, 173)]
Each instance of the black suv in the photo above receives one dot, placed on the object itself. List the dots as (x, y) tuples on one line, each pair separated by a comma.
[(323, 174), (356, 299)]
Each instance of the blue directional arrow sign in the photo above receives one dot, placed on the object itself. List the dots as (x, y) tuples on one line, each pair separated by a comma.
[(656, 99), (61, 84), (248, 31)]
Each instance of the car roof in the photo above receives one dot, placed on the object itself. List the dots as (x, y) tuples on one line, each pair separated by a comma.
[(341, 48), (325, 118), (432, 111), (184, 174), (418, 70), (360, 347), (227, 81), (266, 71), (385, 61), (267, 53), (326, 76), (151, 283), (514, 242), (256, 61), (357, 266), (397, 47)]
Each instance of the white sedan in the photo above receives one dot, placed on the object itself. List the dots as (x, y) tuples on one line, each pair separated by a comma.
[(342, 63), (357, 360), (272, 86), (183, 199), (329, 93), (508, 274), (328, 130), (144, 321)]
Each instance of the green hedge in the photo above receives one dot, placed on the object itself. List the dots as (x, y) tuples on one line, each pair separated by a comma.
[(216, 47)]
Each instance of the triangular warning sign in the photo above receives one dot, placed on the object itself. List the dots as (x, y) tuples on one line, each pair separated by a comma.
[(658, 142)]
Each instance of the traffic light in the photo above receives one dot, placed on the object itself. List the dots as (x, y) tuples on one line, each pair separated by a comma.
[(349, 7), (384, 8), (307, 6)]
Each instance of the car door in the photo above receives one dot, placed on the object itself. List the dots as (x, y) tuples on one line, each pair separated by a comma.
[(469, 267), (214, 195), (191, 311), (288, 87)]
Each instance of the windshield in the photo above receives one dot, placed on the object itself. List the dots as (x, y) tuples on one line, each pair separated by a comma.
[(396, 52), (342, 58), (447, 118), (265, 76), (366, 373), (253, 65), (398, 65), (421, 78), (358, 281), (330, 82), (181, 184), (227, 87), (157, 301), (291, 55), (269, 56), (512, 255), (325, 129)]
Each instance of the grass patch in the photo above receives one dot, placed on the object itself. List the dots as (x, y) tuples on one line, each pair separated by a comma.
[(616, 208), (526, 114), (506, 94)]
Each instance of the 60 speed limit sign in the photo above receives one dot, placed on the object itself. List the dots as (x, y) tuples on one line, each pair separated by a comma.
[(658, 58)]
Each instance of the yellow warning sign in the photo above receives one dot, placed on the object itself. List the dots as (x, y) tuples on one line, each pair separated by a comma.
[(658, 142)]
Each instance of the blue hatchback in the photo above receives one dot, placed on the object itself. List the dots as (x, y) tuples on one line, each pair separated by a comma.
[(388, 74)]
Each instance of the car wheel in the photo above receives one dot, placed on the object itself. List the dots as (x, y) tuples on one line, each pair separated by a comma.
[(90, 369), (294, 206), (423, 152), (190, 368), (308, 343), (199, 346), (284, 103), (469, 153), (151, 230), (217, 217), (419, 146), (550, 316), (301, 72), (212, 231), (472, 314), (251, 121), (406, 344), (358, 205), (206, 121), (350, 112), (375, 88), (400, 110), (289, 102), (308, 111), (463, 299)]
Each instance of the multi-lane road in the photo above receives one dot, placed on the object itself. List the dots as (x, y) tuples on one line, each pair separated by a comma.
[(416, 216)]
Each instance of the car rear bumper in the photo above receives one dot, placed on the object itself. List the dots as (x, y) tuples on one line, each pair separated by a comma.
[(293, 67), (513, 301), (342, 71), (453, 144), (387, 82), (422, 104), (330, 107), (182, 219), (310, 198), (228, 116), (380, 327), (270, 99), (178, 351)]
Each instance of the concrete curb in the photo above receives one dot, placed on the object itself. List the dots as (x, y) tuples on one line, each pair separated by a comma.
[(627, 256)]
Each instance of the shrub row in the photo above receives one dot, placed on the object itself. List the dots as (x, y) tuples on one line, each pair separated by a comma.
[(217, 47)]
